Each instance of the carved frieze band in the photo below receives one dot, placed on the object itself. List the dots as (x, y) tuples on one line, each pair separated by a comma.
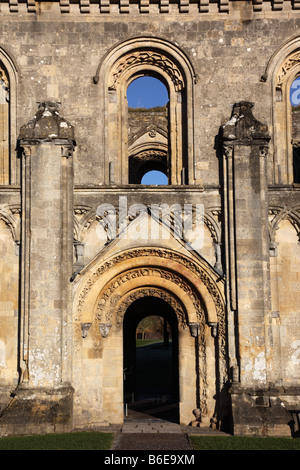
[(204, 6)]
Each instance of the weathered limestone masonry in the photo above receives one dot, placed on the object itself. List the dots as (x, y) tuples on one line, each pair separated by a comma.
[(86, 249)]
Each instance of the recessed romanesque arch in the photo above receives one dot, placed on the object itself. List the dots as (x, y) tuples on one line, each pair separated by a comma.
[(99, 277), (102, 286), (107, 287)]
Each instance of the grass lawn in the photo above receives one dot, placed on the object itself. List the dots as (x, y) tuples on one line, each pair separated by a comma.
[(243, 443), (69, 441), (103, 441)]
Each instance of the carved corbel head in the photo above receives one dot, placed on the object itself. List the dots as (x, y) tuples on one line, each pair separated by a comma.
[(104, 329), (84, 329)]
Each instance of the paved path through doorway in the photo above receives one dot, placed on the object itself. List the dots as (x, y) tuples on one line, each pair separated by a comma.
[(158, 435)]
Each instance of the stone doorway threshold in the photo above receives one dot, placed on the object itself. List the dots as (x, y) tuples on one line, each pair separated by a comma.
[(152, 409), (152, 417)]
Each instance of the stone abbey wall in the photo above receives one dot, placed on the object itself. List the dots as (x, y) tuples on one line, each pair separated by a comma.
[(67, 274)]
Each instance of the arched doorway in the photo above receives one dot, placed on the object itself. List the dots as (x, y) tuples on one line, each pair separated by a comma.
[(106, 294), (151, 370)]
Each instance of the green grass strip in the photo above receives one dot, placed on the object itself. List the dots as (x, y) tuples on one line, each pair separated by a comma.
[(68, 441), (243, 443)]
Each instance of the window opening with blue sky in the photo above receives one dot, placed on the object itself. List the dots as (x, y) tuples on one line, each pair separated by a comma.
[(145, 93), (295, 102)]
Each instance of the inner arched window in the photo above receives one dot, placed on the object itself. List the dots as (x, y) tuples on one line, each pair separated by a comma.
[(148, 131), (154, 177), (295, 104)]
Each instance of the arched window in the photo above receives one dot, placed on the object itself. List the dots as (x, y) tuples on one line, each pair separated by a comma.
[(284, 73), (9, 172), (154, 177), (127, 62), (295, 103)]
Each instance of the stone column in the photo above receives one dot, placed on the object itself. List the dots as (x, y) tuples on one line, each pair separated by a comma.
[(46, 144), (245, 147)]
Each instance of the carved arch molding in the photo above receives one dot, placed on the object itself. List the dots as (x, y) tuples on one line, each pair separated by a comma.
[(156, 278), (147, 58)]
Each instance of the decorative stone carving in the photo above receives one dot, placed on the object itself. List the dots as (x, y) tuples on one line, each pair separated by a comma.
[(84, 329), (145, 57), (152, 292), (289, 63), (278, 214), (79, 252), (11, 216), (104, 329), (47, 124), (197, 421), (243, 126), (107, 300), (156, 252)]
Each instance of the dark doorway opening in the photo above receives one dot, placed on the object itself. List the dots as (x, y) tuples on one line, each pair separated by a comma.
[(151, 361)]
